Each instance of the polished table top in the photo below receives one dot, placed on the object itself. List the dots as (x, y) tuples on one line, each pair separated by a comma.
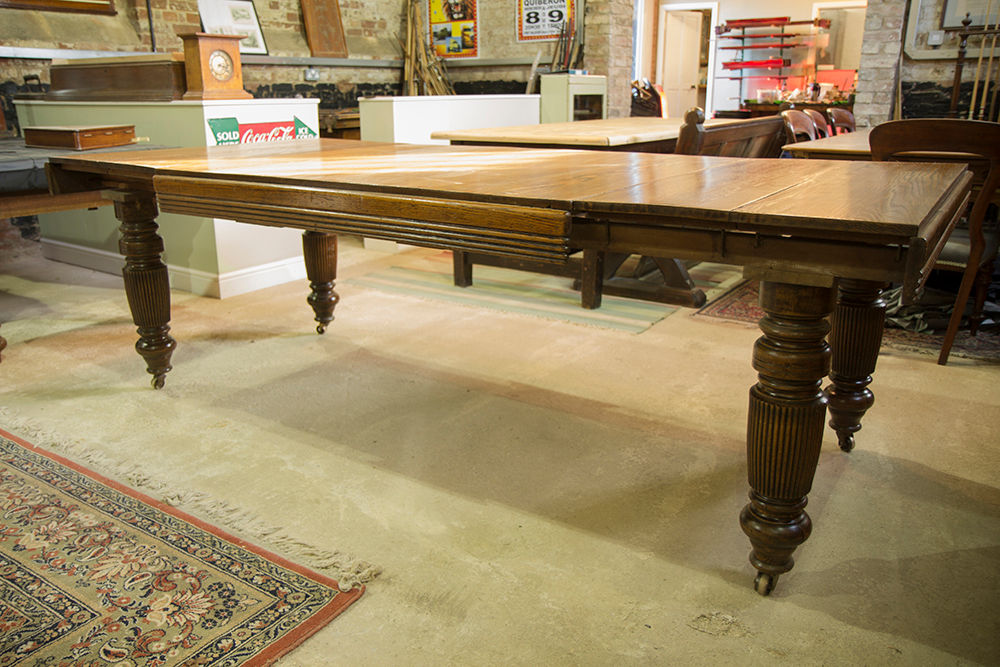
[(600, 133), (863, 198), (847, 145)]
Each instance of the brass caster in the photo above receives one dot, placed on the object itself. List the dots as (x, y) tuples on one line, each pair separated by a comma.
[(764, 583), (846, 441), (321, 328), (158, 381)]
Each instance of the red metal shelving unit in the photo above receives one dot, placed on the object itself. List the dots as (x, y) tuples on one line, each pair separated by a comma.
[(748, 45)]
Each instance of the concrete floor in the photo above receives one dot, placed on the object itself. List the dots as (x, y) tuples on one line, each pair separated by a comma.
[(533, 492)]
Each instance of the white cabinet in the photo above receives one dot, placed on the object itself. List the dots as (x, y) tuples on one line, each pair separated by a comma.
[(567, 97)]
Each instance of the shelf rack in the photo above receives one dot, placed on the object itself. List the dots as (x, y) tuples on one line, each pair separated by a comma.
[(774, 50)]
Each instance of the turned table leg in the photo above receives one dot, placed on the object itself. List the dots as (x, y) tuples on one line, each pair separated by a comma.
[(785, 423), (319, 250), (856, 337), (146, 283)]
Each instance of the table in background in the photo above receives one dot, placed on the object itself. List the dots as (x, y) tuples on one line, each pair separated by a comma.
[(635, 134), (847, 146), (761, 214)]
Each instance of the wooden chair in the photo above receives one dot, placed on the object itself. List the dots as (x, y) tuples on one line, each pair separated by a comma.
[(971, 251), (798, 126), (841, 120), (819, 120), (753, 137)]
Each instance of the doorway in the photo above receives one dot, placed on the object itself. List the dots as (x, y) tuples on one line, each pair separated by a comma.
[(685, 57)]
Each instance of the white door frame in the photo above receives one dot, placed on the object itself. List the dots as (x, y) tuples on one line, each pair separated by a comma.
[(838, 4), (660, 48)]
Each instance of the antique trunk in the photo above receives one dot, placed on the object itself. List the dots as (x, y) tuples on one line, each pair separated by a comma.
[(144, 78)]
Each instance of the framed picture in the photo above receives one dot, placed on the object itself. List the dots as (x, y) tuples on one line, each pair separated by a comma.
[(454, 28), (954, 12), (233, 17), (83, 6)]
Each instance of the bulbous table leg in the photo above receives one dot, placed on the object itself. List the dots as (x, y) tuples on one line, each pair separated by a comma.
[(856, 337), (146, 284), (785, 423), (319, 250)]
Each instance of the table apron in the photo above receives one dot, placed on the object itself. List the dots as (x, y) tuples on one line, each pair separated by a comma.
[(522, 231), (823, 258)]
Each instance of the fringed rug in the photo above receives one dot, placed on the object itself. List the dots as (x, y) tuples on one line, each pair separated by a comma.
[(428, 274), (741, 304), (94, 573)]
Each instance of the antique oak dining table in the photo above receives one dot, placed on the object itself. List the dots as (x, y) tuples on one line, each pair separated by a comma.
[(846, 146), (821, 236)]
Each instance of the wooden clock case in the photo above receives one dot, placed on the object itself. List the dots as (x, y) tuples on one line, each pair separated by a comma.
[(212, 67)]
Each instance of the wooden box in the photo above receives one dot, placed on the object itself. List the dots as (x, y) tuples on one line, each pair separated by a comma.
[(79, 138), (146, 78)]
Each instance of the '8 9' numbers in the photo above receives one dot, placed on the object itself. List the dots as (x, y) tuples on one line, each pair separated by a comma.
[(553, 15)]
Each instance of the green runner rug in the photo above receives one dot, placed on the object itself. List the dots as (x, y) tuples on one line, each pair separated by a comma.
[(428, 274), (94, 573)]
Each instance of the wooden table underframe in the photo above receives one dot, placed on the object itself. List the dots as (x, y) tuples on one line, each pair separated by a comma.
[(661, 279), (716, 209)]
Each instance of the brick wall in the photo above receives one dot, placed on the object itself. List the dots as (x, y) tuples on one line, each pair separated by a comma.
[(372, 28), (880, 53), (608, 50), (924, 85)]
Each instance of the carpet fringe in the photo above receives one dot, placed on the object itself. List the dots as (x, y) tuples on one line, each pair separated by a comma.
[(348, 571)]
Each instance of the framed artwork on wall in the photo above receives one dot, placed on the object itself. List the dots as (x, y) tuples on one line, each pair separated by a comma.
[(454, 28), (83, 6), (233, 17), (954, 12)]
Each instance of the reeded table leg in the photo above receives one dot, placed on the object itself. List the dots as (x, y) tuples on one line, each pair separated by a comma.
[(319, 250), (146, 283), (858, 322), (785, 423)]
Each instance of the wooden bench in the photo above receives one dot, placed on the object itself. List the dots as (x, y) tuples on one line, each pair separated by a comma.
[(752, 137)]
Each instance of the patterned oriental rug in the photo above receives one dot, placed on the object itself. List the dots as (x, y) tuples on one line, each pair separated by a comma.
[(94, 573), (740, 304)]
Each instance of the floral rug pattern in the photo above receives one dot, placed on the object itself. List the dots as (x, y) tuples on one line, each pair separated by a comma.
[(92, 573)]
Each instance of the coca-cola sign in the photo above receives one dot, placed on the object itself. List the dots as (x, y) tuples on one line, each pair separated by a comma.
[(231, 131), (255, 133)]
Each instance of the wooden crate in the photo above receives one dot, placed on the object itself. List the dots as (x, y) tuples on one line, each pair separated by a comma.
[(79, 138)]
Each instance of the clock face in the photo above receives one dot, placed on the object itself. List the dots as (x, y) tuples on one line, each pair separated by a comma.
[(220, 64)]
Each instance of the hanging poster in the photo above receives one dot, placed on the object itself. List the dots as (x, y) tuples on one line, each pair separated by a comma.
[(542, 19), (453, 28)]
